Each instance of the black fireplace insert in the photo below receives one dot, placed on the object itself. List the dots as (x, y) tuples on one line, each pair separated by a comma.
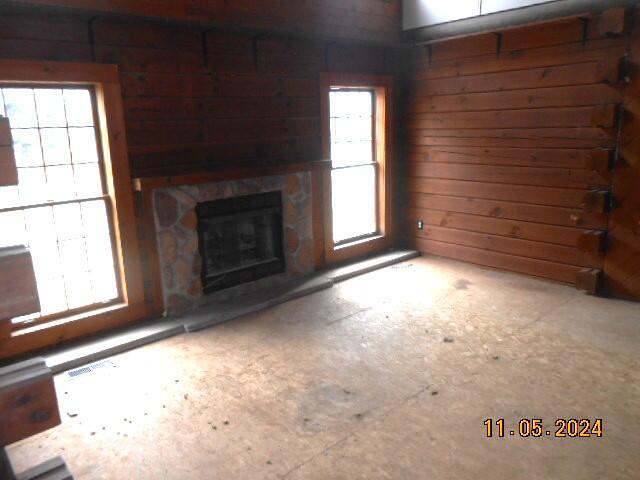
[(240, 239)]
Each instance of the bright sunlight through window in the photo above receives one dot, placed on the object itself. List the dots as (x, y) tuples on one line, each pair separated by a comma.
[(59, 208), (353, 177)]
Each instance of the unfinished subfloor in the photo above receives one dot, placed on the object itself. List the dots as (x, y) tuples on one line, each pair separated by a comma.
[(387, 375)]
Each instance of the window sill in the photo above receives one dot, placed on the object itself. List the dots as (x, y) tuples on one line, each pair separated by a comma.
[(360, 241), (53, 333)]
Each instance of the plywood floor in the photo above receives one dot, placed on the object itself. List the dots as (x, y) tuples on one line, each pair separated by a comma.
[(388, 375)]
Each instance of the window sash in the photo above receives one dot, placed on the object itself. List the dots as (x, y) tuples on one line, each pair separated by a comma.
[(77, 197)]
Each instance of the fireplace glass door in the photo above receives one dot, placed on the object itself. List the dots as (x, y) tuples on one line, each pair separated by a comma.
[(240, 239)]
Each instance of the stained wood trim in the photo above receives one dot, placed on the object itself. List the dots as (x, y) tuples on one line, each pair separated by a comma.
[(118, 176), (12, 71), (383, 87), (28, 403), (152, 276)]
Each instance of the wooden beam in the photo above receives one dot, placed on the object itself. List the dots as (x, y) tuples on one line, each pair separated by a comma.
[(28, 403), (611, 22), (595, 201), (592, 241), (589, 280), (149, 183), (18, 291), (57, 72), (8, 170)]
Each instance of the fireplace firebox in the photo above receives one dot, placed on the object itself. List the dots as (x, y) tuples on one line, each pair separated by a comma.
[(240, 239)]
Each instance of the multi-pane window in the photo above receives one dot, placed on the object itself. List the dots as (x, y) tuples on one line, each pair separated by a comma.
[(354, 167), (59, 208)]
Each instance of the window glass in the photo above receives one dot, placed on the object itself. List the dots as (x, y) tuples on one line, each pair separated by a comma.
[(58, 208), (354, 170)]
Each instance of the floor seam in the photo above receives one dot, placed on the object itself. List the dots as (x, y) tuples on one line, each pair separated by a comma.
[(316, 455)]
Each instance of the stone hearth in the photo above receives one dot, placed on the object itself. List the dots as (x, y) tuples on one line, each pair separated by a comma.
[(177, 236)]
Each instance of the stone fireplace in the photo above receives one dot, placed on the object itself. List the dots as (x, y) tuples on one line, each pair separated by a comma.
[(180, 237)]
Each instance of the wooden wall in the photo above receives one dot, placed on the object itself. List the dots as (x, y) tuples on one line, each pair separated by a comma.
[(371, 20), (622, 264), (510, 136), (201, 98)]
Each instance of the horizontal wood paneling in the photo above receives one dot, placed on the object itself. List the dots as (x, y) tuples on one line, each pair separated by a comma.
[(571, 96), (197, 98), (506, 135), (370, 20)]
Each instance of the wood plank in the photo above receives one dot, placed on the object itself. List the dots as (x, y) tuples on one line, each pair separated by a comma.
[(550, 33), (166, 85), (568, 217), (18, 290), (602, 116), (415, 138), (589, 133), (40, 26), (523, 157), (147, 60), (499, 226), (483, 44), (530, 266), (150, 183), (152, 276), (572, 30), (606, 50), (550, 177), (69, 72), (540, 77), (154, 160), (559, 197), (146, 35), (568, 96), (512, 246)]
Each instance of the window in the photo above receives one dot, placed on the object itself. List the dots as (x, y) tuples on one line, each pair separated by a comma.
[(73, 205), (353, 175), (58, 209), (357, 140)]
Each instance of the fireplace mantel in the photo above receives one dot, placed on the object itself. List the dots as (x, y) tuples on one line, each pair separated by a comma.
[(142, 184)]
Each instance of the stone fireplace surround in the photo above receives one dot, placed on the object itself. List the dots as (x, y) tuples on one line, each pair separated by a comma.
[(177, 236)]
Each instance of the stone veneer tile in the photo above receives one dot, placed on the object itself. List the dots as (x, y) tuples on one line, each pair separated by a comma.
[(176, 229)]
